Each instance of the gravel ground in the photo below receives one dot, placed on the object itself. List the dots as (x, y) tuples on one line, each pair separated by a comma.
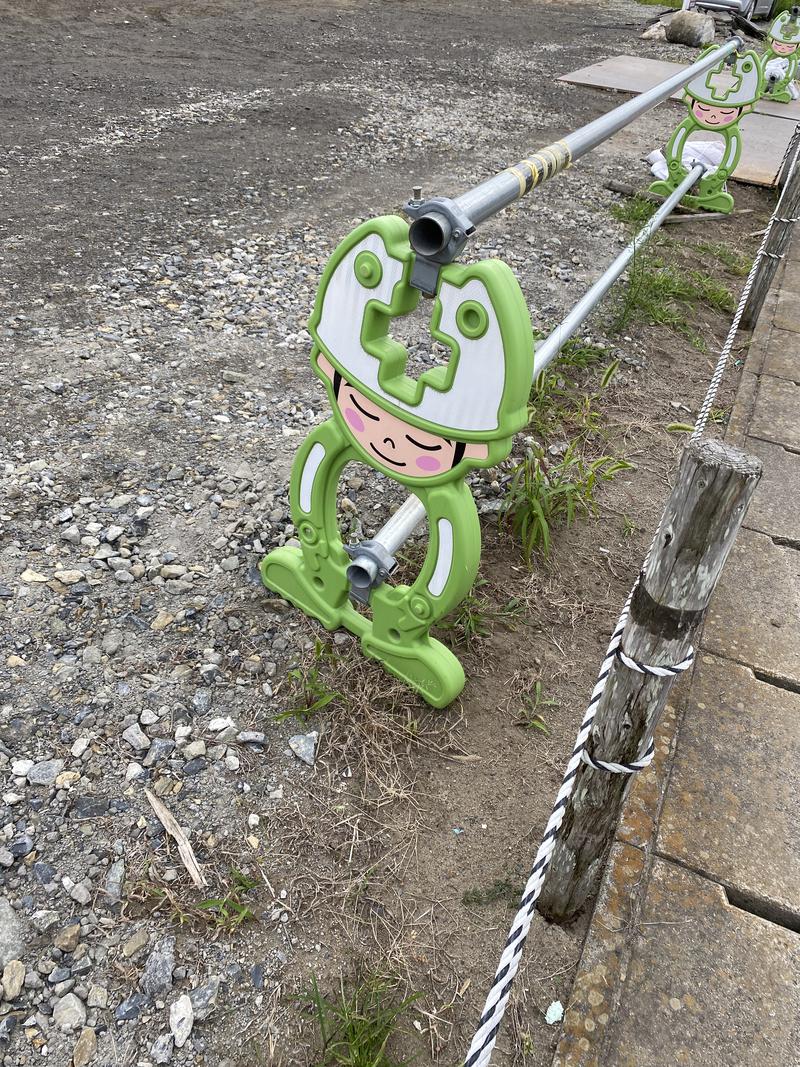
[(175, 176)]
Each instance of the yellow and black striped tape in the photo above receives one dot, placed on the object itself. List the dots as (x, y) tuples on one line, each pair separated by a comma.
[(542, 165)]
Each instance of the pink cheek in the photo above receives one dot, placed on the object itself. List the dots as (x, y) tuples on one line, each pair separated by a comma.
[(428, 463), (354, 419)]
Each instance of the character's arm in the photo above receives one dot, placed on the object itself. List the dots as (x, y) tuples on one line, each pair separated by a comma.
[(674, 150)]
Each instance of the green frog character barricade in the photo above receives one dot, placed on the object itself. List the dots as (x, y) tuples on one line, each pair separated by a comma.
[(426, 433), (716, 102), (783, 41)]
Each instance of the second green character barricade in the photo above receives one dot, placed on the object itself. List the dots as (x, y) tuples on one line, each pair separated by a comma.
[(716, 101), (426, 433), (779, 60)]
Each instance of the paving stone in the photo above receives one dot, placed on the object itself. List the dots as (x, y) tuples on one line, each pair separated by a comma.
[(754, 615), (707, 983), (790, 278), (782, 359), (775, 508), (787, 311), (777, 411), (603, 962), (733, 802)]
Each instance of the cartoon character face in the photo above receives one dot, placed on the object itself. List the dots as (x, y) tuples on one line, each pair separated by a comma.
[(780, 48), (715, 118), (393, 443)]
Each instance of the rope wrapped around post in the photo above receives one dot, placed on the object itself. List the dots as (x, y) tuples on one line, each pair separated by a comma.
[(701, 519)]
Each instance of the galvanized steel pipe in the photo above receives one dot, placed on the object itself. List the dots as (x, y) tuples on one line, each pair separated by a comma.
[(548, 349), (438, 233)]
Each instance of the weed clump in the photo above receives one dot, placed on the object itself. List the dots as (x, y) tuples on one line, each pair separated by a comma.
[(544, 494), (356, 1026)]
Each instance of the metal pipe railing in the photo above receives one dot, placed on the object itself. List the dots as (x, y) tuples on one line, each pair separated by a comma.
[(363, 571), (441, 225), (548, 349)]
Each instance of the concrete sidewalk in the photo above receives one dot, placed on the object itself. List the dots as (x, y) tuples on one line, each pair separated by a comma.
[(693, 954)]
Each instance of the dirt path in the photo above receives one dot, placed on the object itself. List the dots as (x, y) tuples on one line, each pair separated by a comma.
[(174, 176)]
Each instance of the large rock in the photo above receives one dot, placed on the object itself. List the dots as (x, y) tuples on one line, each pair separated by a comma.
[(13, 977), (85, 1048), (11, 944), (690, 28), (69, 1013), (46, 772), (181, 1020), (157, 975)]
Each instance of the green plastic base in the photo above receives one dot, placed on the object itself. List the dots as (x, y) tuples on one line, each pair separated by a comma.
[(714, 200), (424, 664)]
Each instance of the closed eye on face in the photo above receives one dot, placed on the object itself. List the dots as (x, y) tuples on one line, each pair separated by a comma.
[(375, 418), (427, 448)]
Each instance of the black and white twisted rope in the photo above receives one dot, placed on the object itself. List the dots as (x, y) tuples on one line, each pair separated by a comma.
[(791, 145), (480, 1050), (762, 253), (646, 758), (671, 671)]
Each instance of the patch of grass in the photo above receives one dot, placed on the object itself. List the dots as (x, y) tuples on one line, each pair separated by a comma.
[(674, 4), (736, 262), (660, 293), (476, 615), (498, 890), (230, 911), (557, 402), (355, 1026), (544, 494), (225, 912), (578, 352), (633, 211), (530, 714), (309, 688), (629, 527)]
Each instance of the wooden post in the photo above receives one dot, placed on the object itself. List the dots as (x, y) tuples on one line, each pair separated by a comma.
[(788, 209), (697, 530)]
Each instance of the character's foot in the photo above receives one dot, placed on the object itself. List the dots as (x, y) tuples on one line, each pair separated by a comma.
[(715, 201), (285, 571), (424, 664), (783, 97), (662, 188)]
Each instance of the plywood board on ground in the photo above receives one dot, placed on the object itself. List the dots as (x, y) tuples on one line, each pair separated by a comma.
[(635, 74), (765, 133), (764, 141)]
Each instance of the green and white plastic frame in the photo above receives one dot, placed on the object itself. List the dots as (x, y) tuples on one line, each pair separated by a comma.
[(716, 102), (426, 433), (783, 42)]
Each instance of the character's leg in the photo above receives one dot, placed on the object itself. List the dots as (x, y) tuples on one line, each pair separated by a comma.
[(673, 154), (711, 195), (781, 92), (313, 577), (403, 615)]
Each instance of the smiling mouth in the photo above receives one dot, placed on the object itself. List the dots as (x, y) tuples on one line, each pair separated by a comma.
[(394, 462)]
